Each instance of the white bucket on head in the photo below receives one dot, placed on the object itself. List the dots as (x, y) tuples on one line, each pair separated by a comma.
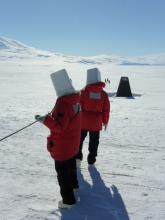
[(93, 76), (62, 83)]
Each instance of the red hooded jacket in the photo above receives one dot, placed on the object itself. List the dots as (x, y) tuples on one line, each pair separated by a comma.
[(65, 125), (95, 106)]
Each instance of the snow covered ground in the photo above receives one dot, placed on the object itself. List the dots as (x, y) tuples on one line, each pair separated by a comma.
[(128, 181)]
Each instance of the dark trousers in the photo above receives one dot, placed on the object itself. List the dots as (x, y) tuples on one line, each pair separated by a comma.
[(92, 147), (67, 179)]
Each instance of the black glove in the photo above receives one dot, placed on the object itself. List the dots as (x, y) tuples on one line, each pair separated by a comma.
[(40, 118)]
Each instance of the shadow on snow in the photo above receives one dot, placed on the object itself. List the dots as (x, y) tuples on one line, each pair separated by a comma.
[(96, 201), (113, 95)]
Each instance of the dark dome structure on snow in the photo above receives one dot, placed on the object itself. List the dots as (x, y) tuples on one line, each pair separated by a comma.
[(124, 89)]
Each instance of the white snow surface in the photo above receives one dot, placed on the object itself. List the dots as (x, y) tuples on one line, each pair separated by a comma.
[(127, 182)]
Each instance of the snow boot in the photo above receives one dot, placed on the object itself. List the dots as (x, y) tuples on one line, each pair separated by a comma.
[(62, 205)]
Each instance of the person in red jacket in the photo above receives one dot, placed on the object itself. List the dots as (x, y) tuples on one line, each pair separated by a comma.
[(63, 141), (95, 107)]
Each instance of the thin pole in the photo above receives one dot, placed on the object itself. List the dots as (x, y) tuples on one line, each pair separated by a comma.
[(18, 131)]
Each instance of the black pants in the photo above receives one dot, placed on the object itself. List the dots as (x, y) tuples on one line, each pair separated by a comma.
[(67, 179), (93, 145)]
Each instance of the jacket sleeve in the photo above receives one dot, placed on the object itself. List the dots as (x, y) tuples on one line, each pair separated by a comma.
[(106, 109), (59, 120)]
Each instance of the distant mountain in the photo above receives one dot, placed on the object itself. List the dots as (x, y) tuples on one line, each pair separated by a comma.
[(13, 50), (10, 44)]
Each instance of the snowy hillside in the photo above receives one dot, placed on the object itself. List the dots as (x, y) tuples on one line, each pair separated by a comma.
[(12, 49), (128, 181)]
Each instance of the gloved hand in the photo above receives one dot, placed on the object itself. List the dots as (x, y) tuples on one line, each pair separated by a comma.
[(40, 118), (105, 126)]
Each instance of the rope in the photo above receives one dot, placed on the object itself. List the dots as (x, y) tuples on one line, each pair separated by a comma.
[(22, 128), (17, 131)]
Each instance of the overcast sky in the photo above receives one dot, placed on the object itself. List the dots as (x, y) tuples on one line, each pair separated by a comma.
[(86, 27)]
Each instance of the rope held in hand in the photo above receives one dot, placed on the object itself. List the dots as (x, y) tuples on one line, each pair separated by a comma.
[(18, 131)]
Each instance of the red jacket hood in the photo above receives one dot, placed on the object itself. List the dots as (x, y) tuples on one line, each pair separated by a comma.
[(70, 98), (96, 87)]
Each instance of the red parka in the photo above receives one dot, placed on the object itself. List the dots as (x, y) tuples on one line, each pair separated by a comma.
[(64, 124), (95, 106)]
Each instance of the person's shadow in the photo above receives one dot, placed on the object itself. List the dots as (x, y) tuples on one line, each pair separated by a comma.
[(96, 202)]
